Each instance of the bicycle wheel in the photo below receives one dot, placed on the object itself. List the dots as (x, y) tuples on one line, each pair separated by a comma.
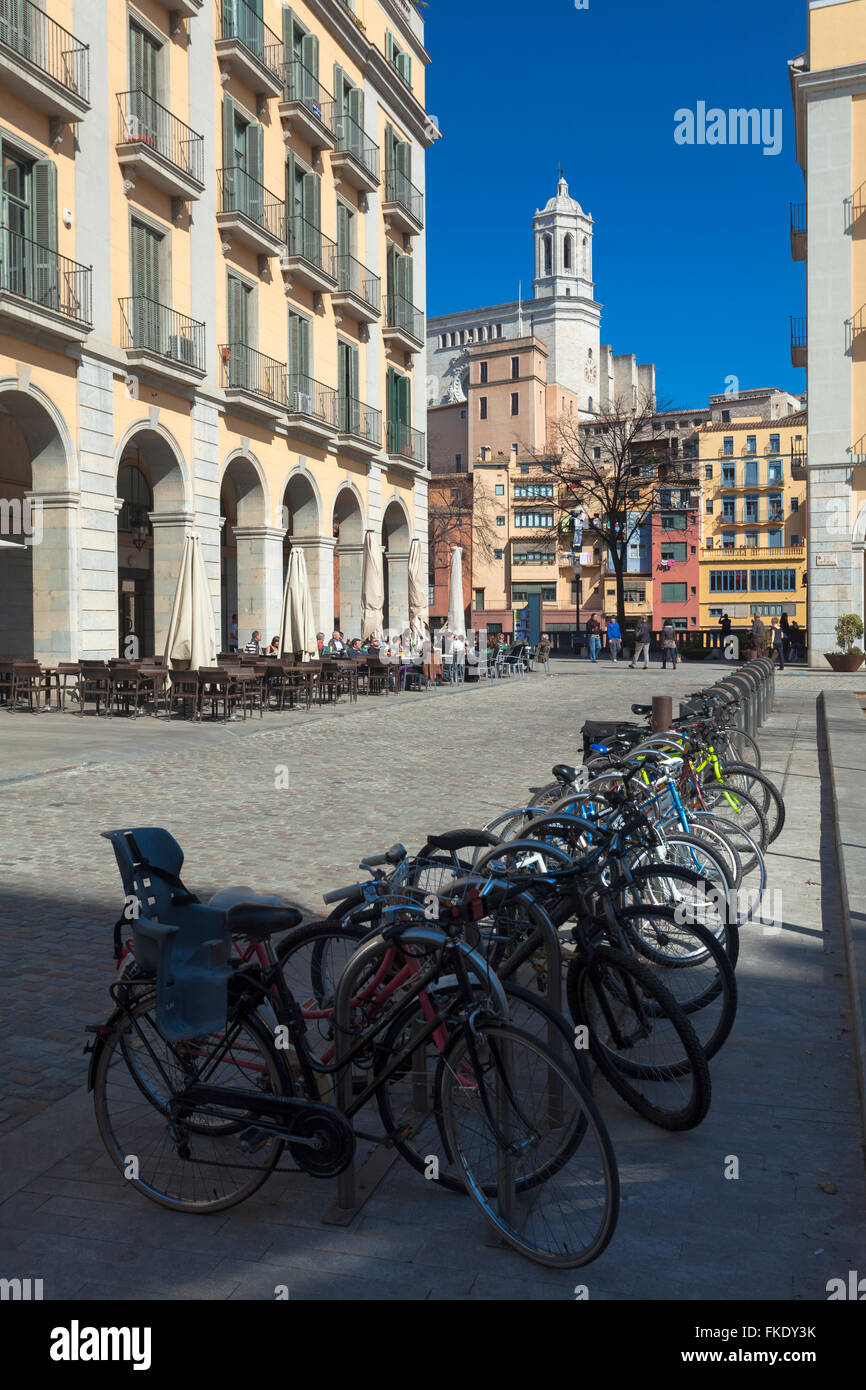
[(762, 790), (739, 746), (535, 1155), (406, 1097), (640, 1037), (753, 880), (692, 897), (735, 805), (691, 963), (163, 1147)]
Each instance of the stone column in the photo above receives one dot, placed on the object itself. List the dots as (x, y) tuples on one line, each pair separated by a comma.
[(169, 533), (397, 614), (319, 557), (53, 543), (260, 580), (350, 558), (830, 561)]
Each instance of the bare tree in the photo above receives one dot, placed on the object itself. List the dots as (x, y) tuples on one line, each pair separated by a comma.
[(457, 510), (609, 472)]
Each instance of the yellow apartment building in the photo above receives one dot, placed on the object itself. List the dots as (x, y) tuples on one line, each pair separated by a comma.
[(828, 233), (753, 552), (211, 310)]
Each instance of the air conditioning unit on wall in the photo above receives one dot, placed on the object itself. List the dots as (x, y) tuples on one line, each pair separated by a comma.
[(182, 349)]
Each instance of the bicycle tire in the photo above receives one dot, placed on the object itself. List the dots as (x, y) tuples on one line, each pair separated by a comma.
[(742, 746), (688, 1103), (770, 800), (569, 1208)]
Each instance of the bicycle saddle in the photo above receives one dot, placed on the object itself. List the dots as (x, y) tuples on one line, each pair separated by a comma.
[(641, 709), (461, 839), (563, 773)]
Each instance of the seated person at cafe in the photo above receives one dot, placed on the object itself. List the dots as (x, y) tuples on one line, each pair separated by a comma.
[(273, 649), (320, 641), (336, 646), (354, 649), (253, 647)]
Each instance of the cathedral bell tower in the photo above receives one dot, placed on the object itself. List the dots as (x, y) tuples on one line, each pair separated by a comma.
[(563, 248)]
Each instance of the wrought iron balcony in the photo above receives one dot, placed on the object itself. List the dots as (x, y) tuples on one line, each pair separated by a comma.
[(312, 407), (403, 205), (306, 108), (41, 288), (160, 147), (249, 212), (359, 425), (358, 292), (309, 257), (406, 443), (250, 49), (157, 337), (42, 62), (253, 380), (355, 159), (799, 351), (799, 457), (798, 231), (404, 324)]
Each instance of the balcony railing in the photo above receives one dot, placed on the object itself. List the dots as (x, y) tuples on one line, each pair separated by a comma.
[(359, 420), (798, 341), (238, 20), (402, 439), (27, 30), (146, 325), (305, 396), (144, 122), (401, 314), (399, 189), (299, 84), (355, 278), (240, 193), (45, 278), (245, 369), (304, 239), (798, 231), (352, 140)]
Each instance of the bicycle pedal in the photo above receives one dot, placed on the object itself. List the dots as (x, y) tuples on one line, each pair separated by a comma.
[(254, 1139)]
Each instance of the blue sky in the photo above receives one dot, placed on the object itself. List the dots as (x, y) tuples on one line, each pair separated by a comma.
[(691, 250)]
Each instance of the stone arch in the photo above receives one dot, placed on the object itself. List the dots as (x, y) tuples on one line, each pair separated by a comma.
[(301, 504), (302, 517), (147, 576), (349, 526), (396, 538), (246, 543), (39, 573), (568, 252)]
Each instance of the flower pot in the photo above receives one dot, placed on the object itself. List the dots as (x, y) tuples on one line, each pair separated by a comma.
[(845, 662)]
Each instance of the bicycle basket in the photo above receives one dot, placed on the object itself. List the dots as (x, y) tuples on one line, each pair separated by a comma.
[(190, 959)]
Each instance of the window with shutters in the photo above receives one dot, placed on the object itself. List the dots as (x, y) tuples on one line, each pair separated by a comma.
[(300, 351), (347, 388), (399, 399), (349, 114), (301, 53), (398, 57), (147, 271), (29, 263), (243, 155), (304, 205)]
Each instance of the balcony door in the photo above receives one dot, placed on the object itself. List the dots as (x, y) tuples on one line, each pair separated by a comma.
[(349, 114), (28, 259), (241, 369), (347, 388), (300, 362), (304, 205), (242, 19), (400, 288), (399, 413), (145, 266), (243, 153), (143, 113)]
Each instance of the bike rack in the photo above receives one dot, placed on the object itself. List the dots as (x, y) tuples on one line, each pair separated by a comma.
[(354, 1188)]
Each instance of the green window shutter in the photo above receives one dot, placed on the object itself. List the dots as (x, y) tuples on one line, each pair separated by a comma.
[(390, 145), (339, 89), (389, 45), (228, 132), (288, 31), (256, 152), (404, 401), (403, 157), (312, 200), (138, 270), (45, 203), (404, 277), (299, 346), (391, 394), (344, 230), (310, 54)]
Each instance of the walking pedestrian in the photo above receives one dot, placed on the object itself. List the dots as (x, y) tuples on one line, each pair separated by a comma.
[(614, 639), (669, 645), (785, 629), (642, 639), (593, 632), (758, 636), (796, 641), (543, 653), (777, 643)]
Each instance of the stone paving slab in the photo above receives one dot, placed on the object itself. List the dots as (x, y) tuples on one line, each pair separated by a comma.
[(784, 1087)]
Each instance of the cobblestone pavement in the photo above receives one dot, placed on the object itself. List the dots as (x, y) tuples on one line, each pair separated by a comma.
[(361, 777)]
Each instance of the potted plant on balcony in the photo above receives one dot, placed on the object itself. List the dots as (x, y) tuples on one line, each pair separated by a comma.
[(849, 658)]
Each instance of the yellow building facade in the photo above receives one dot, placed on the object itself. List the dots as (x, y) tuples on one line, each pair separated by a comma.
[(828, 233), (753, 498), (211, 310)]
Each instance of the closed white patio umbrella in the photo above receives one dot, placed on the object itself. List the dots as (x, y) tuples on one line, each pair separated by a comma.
[(418, 616), (456, 611), (297, 624), (191, 640), (372, 588)]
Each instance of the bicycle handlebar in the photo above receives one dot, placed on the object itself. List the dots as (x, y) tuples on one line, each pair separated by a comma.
[(338, 894)]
